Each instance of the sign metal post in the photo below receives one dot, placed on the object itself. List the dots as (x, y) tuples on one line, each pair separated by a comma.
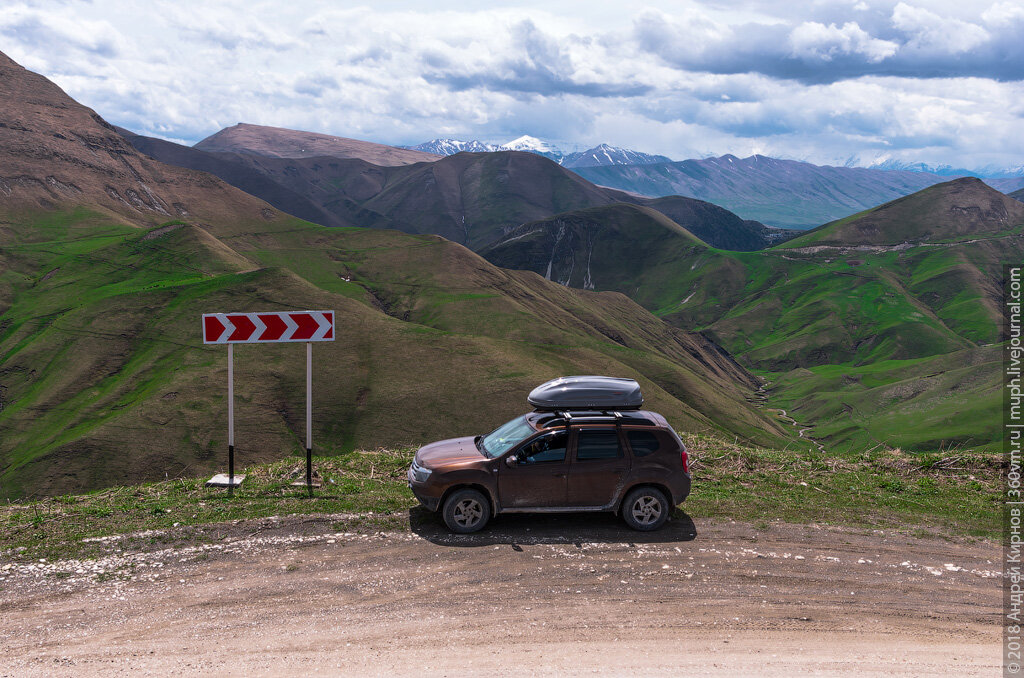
[(231, 419), (265, 328), (309, 417)]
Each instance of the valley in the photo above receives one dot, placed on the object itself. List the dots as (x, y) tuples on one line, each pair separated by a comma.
[(100, 300), (845, 321), (783, 240), (877, 331)]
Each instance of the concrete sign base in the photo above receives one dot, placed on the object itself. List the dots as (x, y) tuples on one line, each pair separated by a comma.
[(221, 480)]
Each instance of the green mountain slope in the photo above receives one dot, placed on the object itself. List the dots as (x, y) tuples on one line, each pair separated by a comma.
[(104, 378), (598, 248), (810, 316), (954, 211)]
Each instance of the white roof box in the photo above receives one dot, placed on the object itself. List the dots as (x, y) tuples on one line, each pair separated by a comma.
[(578, 393)]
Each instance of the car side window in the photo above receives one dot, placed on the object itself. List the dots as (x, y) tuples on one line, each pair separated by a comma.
[(546, 449), (598, 444), (643, 443)]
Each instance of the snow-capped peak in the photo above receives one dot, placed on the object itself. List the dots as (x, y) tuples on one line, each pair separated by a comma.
[(453, 146), (604, 154), (532, 144)]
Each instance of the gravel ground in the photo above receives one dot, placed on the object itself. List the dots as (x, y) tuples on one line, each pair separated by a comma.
[(540, 595)]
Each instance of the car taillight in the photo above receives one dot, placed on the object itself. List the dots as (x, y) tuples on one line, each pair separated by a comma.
[(685, 458)]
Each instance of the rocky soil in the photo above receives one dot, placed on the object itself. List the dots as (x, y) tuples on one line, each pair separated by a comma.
[(534, 595)]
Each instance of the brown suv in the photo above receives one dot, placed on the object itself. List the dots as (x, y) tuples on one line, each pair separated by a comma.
[(574, 453)]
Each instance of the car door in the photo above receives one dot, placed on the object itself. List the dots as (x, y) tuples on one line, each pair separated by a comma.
[(539, 477), (598, 467)]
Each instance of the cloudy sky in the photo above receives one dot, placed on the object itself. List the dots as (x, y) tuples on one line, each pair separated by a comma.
[(938, 81)]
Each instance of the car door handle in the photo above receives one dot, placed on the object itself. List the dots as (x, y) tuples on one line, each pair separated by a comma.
[(558, 475)]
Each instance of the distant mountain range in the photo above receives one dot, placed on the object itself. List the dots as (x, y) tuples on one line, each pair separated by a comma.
[(470, 198), (831, 299), (785, 194), (605, 154), (885, 162), (781, 193), (598, 156)]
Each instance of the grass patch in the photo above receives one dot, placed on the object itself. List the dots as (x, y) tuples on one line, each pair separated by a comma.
[(946, 494), (358, 482), (955, 495)]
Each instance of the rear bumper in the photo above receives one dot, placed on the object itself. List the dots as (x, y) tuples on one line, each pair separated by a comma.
[(682, 490)]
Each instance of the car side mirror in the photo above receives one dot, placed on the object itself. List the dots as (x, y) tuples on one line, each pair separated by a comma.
[(511, 461)]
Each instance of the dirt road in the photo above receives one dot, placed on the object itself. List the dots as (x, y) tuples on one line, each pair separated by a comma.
[(530, 596)]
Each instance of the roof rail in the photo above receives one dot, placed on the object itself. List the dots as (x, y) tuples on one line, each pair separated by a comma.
[(591, 417)]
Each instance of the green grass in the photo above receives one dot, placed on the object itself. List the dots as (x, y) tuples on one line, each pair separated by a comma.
[(927, 404), (105, 380), (798, 318), (357, 482), (952, 495)]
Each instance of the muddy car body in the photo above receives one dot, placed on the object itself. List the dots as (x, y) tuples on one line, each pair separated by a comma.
[(625, 461)]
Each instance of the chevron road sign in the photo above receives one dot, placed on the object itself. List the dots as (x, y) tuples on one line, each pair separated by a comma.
[(277, 326), (267, 328)]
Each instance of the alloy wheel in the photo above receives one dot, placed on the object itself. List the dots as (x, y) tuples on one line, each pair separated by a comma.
[(646, 509), (468, 513)]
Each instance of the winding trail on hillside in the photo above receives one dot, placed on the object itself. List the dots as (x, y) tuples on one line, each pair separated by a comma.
[(790, 420), (762, 400), (563, 596), (850, 249)]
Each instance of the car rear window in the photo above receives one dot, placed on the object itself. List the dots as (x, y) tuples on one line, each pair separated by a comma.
[(643, 443), (598, 444)]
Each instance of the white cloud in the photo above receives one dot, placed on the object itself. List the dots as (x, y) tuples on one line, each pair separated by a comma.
[(681, 79), (1003, 13), (929, 31), (813, 40)]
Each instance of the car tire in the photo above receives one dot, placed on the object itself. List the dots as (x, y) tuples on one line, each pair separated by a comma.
[(466, 511), (645, 509)]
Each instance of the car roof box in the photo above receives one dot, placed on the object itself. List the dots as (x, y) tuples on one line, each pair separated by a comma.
[(576, 393)]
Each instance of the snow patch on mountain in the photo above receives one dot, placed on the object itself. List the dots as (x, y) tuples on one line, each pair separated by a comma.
[(531, 144), (604, 155), (453, 146)]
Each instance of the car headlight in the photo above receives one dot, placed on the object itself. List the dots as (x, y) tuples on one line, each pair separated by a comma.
[(420, 473)]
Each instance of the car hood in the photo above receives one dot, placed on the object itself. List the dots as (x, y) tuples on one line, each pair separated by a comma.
[(451, 451)]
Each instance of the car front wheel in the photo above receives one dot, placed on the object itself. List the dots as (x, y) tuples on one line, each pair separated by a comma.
[(466, 511), (645, 509)]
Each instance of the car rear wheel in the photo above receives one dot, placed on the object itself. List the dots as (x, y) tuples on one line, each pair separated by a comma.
[(645, 509), (466, 511)]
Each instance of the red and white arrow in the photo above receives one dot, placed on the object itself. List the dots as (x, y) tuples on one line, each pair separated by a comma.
[(272, 327)]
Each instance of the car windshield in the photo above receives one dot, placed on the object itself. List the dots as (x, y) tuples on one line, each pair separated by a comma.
[(505, 437)]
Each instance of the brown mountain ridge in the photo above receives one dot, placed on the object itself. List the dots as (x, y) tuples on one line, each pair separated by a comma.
[(279, 142), (54, 153), (474, 199)]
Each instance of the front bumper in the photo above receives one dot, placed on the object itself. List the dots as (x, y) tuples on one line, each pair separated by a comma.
[(421, 492)]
